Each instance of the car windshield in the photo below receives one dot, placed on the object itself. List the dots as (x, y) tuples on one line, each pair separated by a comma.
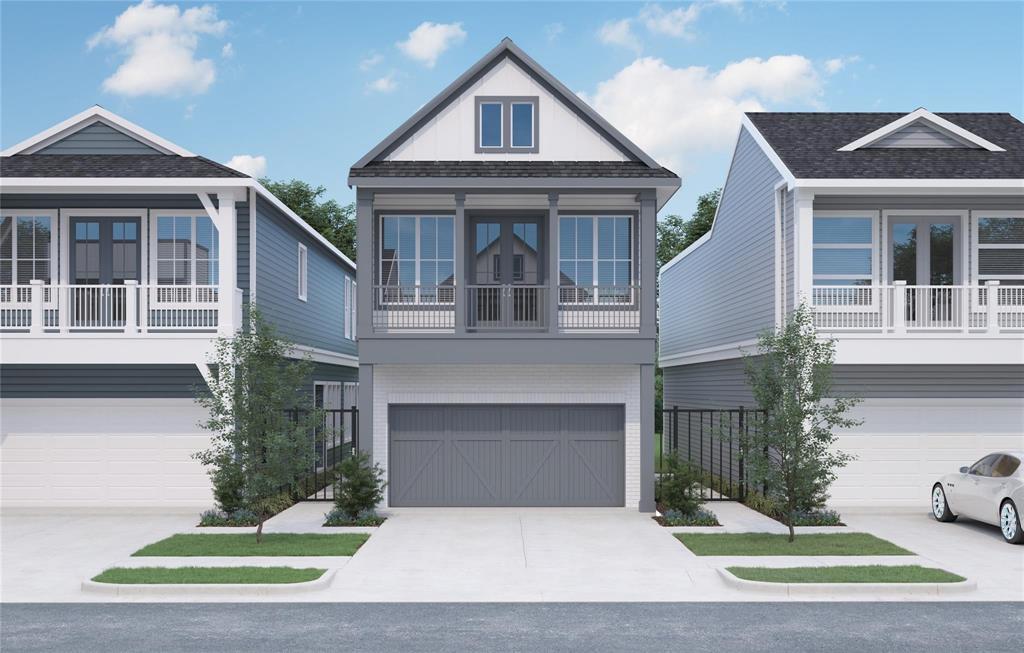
[(1005, 466)]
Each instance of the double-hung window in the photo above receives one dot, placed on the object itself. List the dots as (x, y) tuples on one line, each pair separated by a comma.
[(507, 124), (417, 259), (999, 252), (187, 251), (595, 259), (845, 247), (26, 248)]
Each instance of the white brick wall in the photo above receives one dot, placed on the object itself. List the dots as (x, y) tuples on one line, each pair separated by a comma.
[(905, 445), (102, 453), (512, 384)]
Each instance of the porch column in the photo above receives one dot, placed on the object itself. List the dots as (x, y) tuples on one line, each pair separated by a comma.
[(647, 476), (648, 264), (365, 264), (461, 261), (553, 274), (803, 245), (227, 228)]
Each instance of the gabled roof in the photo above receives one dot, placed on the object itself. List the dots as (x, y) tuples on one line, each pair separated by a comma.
[(923, 116), (814, 146), (505, 49), (90, 116)]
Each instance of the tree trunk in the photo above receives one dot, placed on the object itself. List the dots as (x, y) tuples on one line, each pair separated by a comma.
[(792, 534), (259, 529)]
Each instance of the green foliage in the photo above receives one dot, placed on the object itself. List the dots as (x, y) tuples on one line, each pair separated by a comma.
[(659, 400), (334, 221), (676, 233), (253, 434), (360, 485), (792, 451), (366, 518), (679, 485), (207, 575), (701, 517), (228, 484)]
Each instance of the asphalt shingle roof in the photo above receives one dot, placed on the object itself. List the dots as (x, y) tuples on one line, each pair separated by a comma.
[(113, 165), (808, 142), (583, 169)]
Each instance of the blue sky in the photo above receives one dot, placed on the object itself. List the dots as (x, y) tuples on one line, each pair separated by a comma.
[(312, 86)]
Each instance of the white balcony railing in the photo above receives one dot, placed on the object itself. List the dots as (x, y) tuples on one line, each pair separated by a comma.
[(900, 308), (129, 308)]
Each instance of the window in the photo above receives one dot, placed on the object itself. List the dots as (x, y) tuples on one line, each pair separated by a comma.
[(417, 256), (303, 272), (999, 249), (349, 303), (844, 249), (595, 253), (507, 124), (187, 250), (984, 466), (26, 248), (1005, 466)]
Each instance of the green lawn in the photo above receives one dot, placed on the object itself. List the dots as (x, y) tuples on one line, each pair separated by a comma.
[(207, 575), (810, 544), (850, 574), (244, 544)]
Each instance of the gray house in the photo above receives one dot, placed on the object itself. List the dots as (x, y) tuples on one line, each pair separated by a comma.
[(506, 298), (905, 234), (122, 257)]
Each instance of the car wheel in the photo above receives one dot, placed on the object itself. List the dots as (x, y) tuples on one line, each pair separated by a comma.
[(1009, 523), (940, 509)]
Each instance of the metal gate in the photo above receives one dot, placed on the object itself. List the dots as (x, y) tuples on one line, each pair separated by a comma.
[(711, 439), (336, 439)]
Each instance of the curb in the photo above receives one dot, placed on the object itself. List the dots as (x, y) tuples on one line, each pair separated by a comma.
[(819, 589), (245, 589)]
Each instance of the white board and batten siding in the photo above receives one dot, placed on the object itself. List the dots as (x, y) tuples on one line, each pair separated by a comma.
[(723, 291), (450, 135)]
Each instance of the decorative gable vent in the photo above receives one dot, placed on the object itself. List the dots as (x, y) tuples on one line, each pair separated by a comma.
[(921, 129)]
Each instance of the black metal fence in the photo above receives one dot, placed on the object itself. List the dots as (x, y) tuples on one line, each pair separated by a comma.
[(336, 439), (711, 439)]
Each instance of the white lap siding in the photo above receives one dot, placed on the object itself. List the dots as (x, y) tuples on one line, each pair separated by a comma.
[(103, 452), (512, 384)]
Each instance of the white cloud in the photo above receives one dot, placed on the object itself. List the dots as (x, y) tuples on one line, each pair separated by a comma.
[(428, 41), (228, 51), (553, 30), (619, 32), (385, 84), (670, 23), (833, 66), (675, 112), (254, 166), (371, 61), (159, 43)]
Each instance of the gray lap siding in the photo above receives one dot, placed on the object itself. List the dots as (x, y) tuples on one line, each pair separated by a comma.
[(99, 381)]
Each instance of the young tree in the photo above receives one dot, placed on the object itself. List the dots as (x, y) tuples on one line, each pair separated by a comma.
[(335, 222), (261, 419), (360, 485), (793, 449)]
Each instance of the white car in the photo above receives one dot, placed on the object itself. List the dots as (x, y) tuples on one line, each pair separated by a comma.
[(991, 491)]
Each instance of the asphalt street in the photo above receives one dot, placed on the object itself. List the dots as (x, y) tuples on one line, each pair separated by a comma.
[(720, 627)]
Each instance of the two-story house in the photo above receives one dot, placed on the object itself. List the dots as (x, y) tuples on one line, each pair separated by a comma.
[(506, 297), (122, 258), (905, 235)]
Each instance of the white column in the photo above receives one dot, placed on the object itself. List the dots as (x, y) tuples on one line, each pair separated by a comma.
[(131, 288), (803, 236), (225, 218), (992, 305), (37, 306), (899, 306)]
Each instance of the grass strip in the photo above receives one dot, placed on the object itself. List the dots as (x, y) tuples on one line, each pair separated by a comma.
[(847, 574), (207, 575), (769, 544), (244, 544)]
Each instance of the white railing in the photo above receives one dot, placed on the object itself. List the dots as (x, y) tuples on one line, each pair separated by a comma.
[(128, 307), (899, 308)]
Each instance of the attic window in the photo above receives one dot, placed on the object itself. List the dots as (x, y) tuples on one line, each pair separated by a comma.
[(507, 124)]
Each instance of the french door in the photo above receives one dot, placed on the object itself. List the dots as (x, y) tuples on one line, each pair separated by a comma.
[(924, 252), (505, 273), (104, 253)]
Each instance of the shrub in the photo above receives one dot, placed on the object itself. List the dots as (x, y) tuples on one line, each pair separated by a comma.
[(228, 484), (360, 485), (365, 518), (679, 487), (817, 518), (699, 517), (241, 517)]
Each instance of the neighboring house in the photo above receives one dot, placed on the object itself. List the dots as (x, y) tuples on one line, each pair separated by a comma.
[(122, 258), (905, 233), (486, 378)]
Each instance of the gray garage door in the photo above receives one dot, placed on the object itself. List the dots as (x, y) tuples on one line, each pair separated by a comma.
[(522, 455)]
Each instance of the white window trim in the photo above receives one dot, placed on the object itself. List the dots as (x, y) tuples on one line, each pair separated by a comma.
[(416, 259), (480, 134), (348, 308), (337, 385), (152, 270), (55, 229), (596, 258), (511, 123), (872, 247), (976, 245), (302, 270), (889, 214)]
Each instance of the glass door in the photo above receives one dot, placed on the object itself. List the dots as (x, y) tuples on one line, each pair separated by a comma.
[(505, 273), (925, 253), (104, 253)]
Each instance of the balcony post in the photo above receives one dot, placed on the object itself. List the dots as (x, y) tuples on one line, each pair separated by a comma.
[(131, 287), (461, 294), (992, 306), (227, 320), (366, 297), (648, 263), (899, 307), (37, 306), (553, 275)]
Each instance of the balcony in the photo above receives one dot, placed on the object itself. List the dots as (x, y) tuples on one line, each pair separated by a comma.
[(902, 309), (506, 308)]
